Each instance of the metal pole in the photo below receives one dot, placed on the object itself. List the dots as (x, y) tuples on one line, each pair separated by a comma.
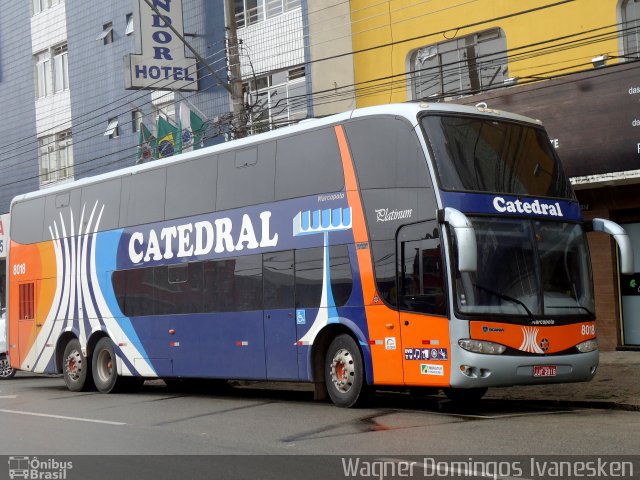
[(239, 120)]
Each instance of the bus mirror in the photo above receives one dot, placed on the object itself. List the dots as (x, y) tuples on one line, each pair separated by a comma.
[(621, 238), (465, 237)]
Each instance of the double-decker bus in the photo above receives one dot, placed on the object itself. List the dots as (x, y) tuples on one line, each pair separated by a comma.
[(414, 245)]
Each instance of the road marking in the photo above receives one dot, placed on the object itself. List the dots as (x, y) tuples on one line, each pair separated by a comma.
[(8, 396), (62, 417)]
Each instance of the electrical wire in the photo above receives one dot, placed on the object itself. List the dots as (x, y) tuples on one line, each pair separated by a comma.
[(327, 97)]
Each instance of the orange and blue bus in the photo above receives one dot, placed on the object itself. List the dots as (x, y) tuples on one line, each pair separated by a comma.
[(415, 245)]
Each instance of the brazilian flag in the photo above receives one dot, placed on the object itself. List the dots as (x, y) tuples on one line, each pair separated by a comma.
[(167, 136)]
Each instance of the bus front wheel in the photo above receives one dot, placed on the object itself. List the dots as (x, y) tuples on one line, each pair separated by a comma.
[(344, 372), (76, 368), (465, 395)]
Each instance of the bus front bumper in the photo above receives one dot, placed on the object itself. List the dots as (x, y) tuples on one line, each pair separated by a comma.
[(474, 370)]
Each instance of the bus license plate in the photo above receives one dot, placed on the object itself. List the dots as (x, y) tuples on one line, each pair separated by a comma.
[(545, 370)]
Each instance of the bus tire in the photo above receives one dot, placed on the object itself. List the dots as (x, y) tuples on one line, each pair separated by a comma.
[(344, 372), (465, 395), (76, 368), (104, 367), (6, 372)]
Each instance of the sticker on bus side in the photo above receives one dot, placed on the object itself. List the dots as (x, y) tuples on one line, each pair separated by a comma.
[(428, 369), (433, 354)]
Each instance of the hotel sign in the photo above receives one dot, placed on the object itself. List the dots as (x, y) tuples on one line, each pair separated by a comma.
[(161, 63)]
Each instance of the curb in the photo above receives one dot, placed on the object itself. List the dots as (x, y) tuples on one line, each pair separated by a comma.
[(596, 405)]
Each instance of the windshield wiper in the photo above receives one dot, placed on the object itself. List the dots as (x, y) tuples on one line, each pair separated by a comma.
[(505, 297)]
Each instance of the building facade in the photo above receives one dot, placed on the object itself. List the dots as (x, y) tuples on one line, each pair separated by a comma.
[(17, 94), (572, 65), (85, 86), (69, 76)]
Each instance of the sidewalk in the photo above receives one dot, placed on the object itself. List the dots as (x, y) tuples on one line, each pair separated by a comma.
[(616, 385)]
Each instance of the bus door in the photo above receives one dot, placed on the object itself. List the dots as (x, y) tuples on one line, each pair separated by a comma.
[(422, 304), (24, 307), (281, 353)]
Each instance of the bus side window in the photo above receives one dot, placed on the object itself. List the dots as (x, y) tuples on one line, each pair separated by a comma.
[(278, 280), (308, 163), (308, 277), (421, 271), (309, 265)]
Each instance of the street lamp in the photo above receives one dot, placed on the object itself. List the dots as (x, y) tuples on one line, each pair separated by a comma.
[(600, 60)]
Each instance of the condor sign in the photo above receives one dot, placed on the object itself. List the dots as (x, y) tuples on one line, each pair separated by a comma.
[(162, 63)]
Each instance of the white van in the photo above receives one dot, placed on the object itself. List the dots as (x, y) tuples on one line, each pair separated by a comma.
[(5, 367)]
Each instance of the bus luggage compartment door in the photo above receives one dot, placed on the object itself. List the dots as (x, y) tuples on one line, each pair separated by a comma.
[(280, 344)]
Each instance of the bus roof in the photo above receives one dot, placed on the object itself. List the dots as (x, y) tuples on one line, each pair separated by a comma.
[(408, 110)]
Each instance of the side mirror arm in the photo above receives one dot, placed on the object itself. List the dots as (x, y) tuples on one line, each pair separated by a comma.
[(465, 237), (622, 239)]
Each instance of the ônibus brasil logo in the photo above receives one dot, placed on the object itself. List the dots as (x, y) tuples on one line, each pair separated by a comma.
[(38, 469)]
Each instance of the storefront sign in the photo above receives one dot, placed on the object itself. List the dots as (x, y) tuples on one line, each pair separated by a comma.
[(161, 63), (4, 235), (592, 117), (630, 284)]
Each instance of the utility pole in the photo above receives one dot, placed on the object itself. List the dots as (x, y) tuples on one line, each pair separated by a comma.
[(239, 120)]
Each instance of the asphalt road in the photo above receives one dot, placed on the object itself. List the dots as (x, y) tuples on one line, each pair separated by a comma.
[(39, 416)]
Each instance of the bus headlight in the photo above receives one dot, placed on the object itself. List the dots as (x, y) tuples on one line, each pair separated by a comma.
[(481, 346), (588, 346)]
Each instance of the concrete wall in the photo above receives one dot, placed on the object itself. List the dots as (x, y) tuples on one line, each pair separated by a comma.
[(330, 35), (398, 28)]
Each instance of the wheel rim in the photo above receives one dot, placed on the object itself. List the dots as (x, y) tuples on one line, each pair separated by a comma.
[(104, 366), (5, 367), (73, 365), (342, 370)]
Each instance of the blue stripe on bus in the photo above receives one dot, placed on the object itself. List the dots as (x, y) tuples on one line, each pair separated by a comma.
[(106, 249)]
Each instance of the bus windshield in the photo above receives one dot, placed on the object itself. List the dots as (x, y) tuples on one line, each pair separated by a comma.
[(527, 268), (481, 154)]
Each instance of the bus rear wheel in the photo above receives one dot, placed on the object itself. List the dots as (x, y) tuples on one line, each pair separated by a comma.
[(6, 372), (105, 370), (76, 368), (344, 372)]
